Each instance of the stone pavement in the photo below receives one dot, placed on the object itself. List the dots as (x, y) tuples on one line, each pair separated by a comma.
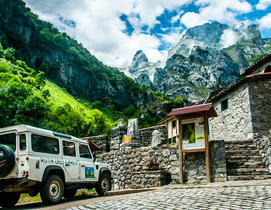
[(229, 195)]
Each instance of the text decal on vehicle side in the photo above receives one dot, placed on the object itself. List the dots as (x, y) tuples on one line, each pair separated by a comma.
[(89, 172)]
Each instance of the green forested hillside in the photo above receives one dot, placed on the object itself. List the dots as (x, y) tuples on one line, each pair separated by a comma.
[(64, 60), (27, 96)]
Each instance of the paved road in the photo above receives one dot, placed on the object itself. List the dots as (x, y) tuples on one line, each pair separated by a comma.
[(244, 197)]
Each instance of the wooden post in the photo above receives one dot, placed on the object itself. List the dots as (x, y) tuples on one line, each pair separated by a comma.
[(180, 150), (207, 153)]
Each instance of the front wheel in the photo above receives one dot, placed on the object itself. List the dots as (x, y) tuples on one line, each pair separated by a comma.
[(8, 200), (52, 190), (103, 185)]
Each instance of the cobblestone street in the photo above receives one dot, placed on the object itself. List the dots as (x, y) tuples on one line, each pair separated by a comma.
[(243, 197)]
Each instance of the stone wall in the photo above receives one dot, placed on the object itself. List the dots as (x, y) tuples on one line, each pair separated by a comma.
[(101, 141), (233, 123), (264, 145), (145, 135), (260, 96), (146, 167)]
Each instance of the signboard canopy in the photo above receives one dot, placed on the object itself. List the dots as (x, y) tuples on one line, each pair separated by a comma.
[(194, 111)]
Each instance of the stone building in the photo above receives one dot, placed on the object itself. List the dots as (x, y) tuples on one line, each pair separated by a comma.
[(244, 108)]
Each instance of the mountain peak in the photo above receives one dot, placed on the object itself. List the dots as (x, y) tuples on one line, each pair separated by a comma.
[(140, 60)]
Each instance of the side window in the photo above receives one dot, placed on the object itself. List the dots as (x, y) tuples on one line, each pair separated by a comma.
[(44, 144), (84, 151), (174, 124), (224, 105), (22, 142), (69, 148)]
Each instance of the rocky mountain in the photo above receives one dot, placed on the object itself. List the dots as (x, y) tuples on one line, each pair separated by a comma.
[(206, 57), (142, 70), (65, 60)]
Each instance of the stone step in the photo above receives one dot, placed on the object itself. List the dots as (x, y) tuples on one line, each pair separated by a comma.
[(249, 177), (242, 151), (245, 164), (244, 158), (248, 171), (239, 146), (239, 142)]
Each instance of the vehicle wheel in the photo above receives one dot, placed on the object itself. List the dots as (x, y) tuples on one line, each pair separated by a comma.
[(7, 160), (52, 190), (8, 200), (103, 185), (70, 193)]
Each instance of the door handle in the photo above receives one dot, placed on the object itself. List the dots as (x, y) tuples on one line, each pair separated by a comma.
[(83, 166)]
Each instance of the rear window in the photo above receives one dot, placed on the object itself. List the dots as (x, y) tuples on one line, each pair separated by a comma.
[(9, 140), (44, 144)]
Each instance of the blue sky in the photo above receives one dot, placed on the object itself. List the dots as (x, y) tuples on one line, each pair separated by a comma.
[(113, 30)]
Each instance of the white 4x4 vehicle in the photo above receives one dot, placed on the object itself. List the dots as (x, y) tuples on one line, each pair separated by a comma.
[(34, 160)]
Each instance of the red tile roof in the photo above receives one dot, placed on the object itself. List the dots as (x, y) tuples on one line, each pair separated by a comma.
[(190, 109), (237, 84), (257, 64)]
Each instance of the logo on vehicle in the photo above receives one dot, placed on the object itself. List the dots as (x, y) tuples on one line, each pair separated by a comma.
[(89, 172)]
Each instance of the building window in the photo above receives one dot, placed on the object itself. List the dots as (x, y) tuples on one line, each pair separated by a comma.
[(224, 105), (174, 124)]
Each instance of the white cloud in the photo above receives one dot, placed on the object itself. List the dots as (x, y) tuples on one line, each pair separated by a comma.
[(171, 38), (265, 21), (222, 11), (228, 38), (263, 4), (174, 19), (191, 19), (99, 28)]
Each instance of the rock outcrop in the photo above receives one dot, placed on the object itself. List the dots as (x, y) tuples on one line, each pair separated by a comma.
[(206, 57)]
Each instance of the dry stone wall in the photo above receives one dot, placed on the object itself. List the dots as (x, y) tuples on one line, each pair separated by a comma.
[(102, 141), (264, 145), (145, 135), (146, 167)]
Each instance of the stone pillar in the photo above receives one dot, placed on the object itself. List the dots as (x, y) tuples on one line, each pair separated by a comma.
[(117, 134), (132, 134)]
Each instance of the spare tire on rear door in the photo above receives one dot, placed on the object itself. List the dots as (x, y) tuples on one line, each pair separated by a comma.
[(7, 160)]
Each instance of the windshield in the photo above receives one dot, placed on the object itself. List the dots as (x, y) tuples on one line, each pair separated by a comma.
[(9, 140)]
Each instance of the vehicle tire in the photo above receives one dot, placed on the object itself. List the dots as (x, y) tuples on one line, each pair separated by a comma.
[(7, 160), (70, 193), (9, 199), (103, 185), (52, 190)]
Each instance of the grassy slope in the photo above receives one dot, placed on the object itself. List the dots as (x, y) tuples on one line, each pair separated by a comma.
[(61, 97)]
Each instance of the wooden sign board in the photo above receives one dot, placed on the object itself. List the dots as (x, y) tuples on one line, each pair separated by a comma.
[(193, 137), (193, 134)]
